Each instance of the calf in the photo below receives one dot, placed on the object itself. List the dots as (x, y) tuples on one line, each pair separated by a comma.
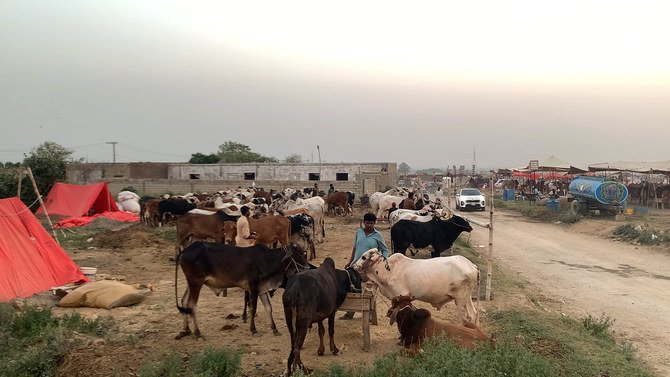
[(338, 199), (415, 325), (256, 269), (313, 296)]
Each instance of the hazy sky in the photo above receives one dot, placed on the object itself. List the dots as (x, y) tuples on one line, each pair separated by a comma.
[(416, 82)]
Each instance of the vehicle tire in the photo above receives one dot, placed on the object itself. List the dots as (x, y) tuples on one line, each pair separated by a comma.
[(576, 208)]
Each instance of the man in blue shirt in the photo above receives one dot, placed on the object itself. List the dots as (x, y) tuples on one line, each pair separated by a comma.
[(366, 238)]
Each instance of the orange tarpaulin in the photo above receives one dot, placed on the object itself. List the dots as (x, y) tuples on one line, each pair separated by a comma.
[(81, 221), (30, 260), (75, 200)]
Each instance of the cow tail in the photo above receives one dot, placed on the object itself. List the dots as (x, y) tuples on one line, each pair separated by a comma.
[(478, 295), (323, 226)]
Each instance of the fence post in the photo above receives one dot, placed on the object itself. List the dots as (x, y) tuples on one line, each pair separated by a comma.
[(489, 257)]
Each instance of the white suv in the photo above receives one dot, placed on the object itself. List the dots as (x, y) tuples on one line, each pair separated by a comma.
[(470, 198)]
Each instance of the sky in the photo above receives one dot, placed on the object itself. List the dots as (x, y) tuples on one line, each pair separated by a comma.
[(428, 83)]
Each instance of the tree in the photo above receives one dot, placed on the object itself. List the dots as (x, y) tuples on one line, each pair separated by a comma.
[(232, 151), (48, 162), (199, 158), (293, 158), (403, 168)]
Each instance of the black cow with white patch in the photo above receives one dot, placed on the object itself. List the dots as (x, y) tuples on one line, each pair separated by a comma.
[(440, 234)]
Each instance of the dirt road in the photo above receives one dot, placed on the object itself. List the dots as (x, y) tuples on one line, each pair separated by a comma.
[(589, 274)]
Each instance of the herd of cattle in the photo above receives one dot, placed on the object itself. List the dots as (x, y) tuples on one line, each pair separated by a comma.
[(288, 225)]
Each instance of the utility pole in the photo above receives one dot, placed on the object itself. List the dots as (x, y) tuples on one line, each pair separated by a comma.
[(113, 150), (474, 160), (319, 151)]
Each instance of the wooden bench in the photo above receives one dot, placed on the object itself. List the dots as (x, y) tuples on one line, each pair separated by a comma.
[(366, 303)]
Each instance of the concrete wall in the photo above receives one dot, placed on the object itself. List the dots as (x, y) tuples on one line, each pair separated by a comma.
[(159, 178), (174, 186)]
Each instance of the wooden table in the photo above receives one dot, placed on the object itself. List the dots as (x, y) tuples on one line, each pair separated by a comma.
[(366, 303)]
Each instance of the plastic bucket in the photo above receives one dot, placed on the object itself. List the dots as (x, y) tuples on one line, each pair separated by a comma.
[(89, 272), (639, 210), (553, 205)]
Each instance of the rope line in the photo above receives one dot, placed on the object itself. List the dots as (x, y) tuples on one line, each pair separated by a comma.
[(23, 210)]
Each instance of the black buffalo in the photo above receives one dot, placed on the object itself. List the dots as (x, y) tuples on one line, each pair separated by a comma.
[(440, 234)]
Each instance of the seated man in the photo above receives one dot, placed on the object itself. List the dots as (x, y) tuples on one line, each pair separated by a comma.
[(366, 238)]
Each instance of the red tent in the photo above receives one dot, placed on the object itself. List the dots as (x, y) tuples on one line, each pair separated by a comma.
[(30, 260), (75, 200)]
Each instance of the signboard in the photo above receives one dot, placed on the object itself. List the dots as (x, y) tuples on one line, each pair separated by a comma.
[(534, 164)]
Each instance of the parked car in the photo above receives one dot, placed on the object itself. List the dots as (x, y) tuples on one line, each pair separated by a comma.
[(470, 198)]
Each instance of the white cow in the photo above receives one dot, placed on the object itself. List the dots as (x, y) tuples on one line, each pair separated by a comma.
[(436, 280), (316, 208), (410, 214), (386, 202)]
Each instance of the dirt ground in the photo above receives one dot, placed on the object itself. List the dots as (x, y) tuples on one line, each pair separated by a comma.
[(576, 269)]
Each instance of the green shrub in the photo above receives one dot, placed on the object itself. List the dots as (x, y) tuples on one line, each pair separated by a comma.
[(168, 366), (599, 327), (221, 362), (33, 342)]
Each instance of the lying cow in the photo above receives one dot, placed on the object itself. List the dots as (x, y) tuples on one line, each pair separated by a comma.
[(256, 269), (440, 234), (313, 296), (436, 280), (415, 325)]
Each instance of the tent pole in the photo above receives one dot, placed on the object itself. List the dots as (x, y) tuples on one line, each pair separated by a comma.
[(20, 175), (39, 197)]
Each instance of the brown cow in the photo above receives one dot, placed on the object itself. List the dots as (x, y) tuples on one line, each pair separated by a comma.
[(269, 230), (415, 325), (338, 199), (202, 227), (150, 212)]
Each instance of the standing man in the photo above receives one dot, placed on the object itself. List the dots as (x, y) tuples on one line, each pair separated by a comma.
[(438, 195), (244, 237), (366, 238)]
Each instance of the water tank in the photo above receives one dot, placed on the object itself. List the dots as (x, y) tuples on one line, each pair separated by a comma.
[(596, 188)]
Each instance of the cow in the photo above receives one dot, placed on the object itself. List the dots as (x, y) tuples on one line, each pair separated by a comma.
[(440, 234), (316, 208), (257, 269), (338, 199), (150, 214), (385, 203), (269, 229), (300, 224), (415, 325), (202, 226), (313, 296), (408, 214), (173, 207), (436, 281)]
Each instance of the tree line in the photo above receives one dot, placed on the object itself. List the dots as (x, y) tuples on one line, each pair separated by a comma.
[(234, 152)]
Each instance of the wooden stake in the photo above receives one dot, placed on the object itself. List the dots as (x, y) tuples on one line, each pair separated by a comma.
[(20, 175), (489, 257), (39, 197)]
